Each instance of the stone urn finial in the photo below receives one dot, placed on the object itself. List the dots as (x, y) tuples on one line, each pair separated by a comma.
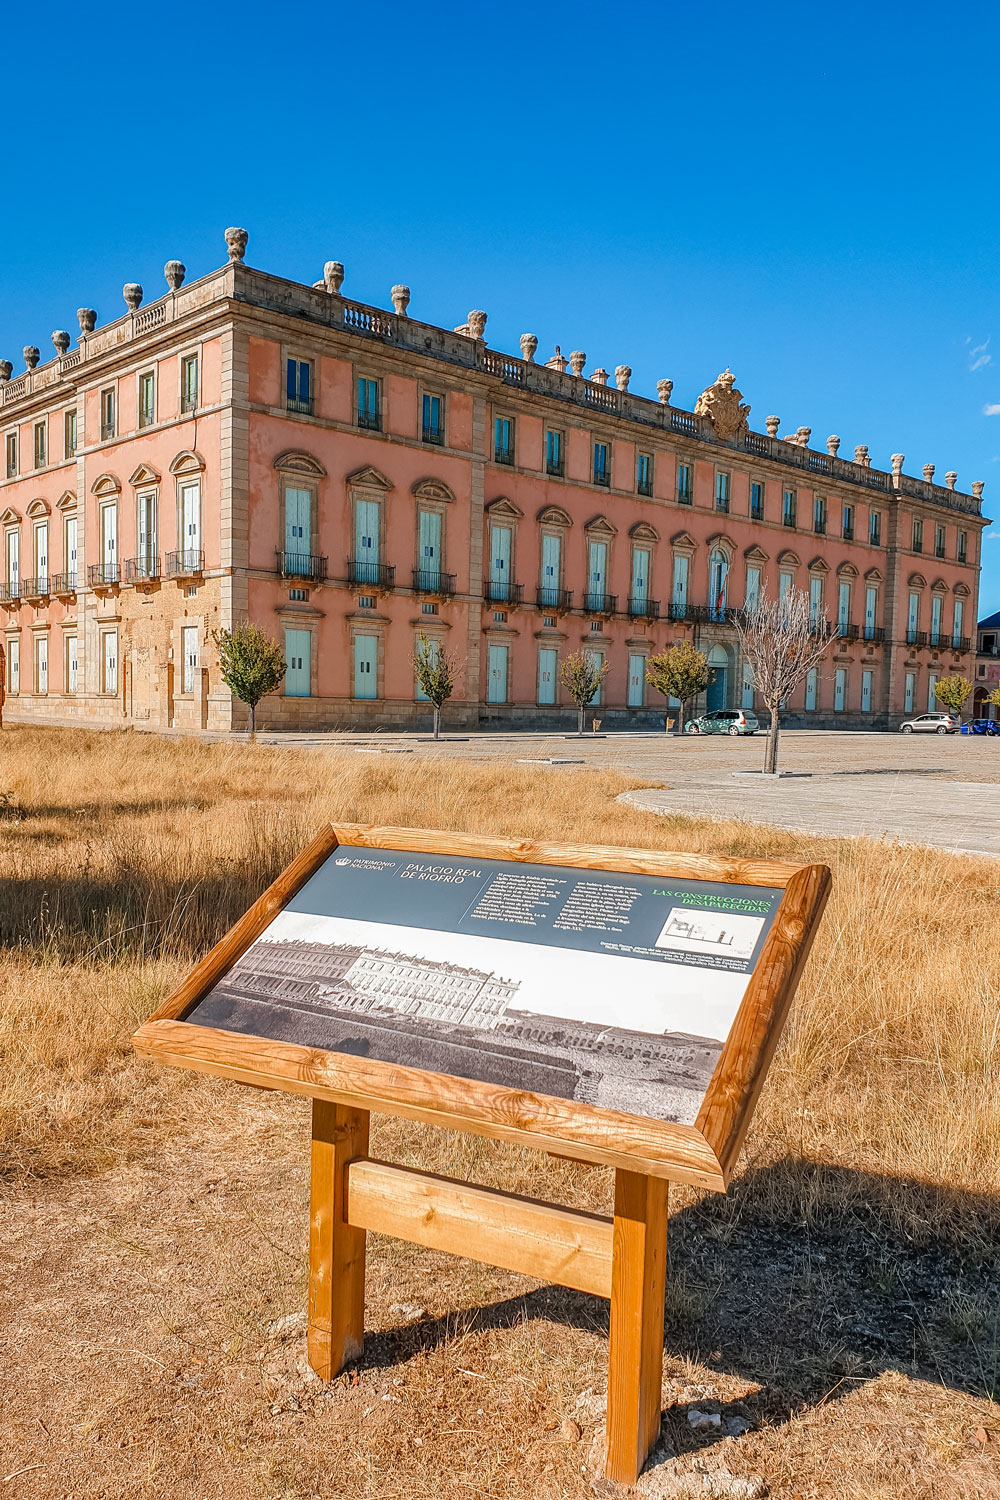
[(60, 341), (929, 473), (664, 389), (623, 374), (87, 319), (400, 299), (802, 436), (772, 424), (333, 276), (978, 486), (557, 362), (132, 292), (529, 343), (951, 479), (236, 244), (861, 456), (6, 370), (476, 323), (832, 444), (577, 360), (174, 271), (599, 376), (31, 356), (897, 460)]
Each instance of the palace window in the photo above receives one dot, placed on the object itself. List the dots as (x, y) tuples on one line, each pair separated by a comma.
[(819, 516), (918, 536), (503, 440), (722, 493), (189, 382), (847, 522), (147, 398), (644, 473), (875, 528), (41, 444), (684, 488), (108, 413), (432, 424), (602, 464), (963, 546), (756, 501), (789, 508), (298, 386), (369, 404), (69, 434), (554, 460), (939, 541)]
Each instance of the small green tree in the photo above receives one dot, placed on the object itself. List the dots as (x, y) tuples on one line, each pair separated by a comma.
[(994, 697), (952, 692), (581, 674), (680, 672), (252, 665), (435, 674)]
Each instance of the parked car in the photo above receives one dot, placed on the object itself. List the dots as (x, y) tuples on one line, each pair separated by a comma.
[(724, 721), (931, 724), (982, 726)]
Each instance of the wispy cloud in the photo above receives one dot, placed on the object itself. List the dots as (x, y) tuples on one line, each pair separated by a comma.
[(979, 355), (992, 535), (991, 409)]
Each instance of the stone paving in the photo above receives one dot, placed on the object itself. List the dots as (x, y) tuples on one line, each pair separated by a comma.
[(943, 791)]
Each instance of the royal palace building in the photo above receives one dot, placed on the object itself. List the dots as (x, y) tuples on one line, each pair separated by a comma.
[(247, 447)]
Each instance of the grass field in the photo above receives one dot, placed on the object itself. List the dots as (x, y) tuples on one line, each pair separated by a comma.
[(841, 1299)]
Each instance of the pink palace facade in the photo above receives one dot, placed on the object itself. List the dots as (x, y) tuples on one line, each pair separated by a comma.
[(348, 477)]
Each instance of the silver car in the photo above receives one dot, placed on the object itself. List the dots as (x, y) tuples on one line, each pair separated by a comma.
[(930, 724)]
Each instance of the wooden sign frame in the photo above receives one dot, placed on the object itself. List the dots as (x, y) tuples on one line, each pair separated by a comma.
[(624, 1257)]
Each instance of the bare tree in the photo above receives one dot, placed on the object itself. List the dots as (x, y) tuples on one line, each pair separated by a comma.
[(782, 639), (435, 673)]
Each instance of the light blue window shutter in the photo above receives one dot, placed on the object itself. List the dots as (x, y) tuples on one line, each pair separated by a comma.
[(640, 575), (297, 649), (680, 580), (496, 689), (597, 578), (366, 539), (500, 555), (365, 666), (430, 541), (596, 659), (547, 667), (298, 521), (636, 681), (551, 547)]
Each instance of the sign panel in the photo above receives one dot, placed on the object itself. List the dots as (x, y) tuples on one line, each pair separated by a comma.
[(612, 989), (618, 1004)]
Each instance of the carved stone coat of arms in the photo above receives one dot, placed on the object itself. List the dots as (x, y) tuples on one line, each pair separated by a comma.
[(725, 405)]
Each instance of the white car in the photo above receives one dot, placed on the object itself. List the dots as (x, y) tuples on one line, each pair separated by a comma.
[(930, 724)]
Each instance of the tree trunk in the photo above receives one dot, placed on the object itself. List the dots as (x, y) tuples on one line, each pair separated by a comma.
[(771, 749), (679, 726), (437, 721), (579, 718), (253, 721)]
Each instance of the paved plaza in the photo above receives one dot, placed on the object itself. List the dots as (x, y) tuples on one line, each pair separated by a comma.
[(943, 791)]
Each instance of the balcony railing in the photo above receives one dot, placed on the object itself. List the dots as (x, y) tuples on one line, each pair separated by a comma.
[(916, 638), (303, 405), (64, 583), (645, 487), (963, 643), (142, 569), (102, 575), (788, 519), (845, 630), (495, 592), (10, 593), (548, 598), (185, 564), (301, 565), (503, 455), (819, 526), (848, 533), (937, 638), (432, 434), (432, 581), (872, 633), (107, 431), (371, 421), (939, 551), (691, 614), (35, 588), (757, 512), (644, 609), (556, 468), (722, 505), (603, 477), (600, 604), (377, 575)]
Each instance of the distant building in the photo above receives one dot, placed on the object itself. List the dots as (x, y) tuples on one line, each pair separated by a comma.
[(347, 477), (987, 679)]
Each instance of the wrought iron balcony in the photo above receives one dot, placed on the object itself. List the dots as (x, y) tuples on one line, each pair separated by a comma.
[(144, 569), (600, 604), (603, 478), (503, 455), (937, 638), (302, 405), (916, 638), (963, 643), (103, 575), (35, 588), (548, 598), (644, 609), (872, 633), (722, 505), (756, 512), (432, 581), (107, 430), (556, 468), (189, 401), (495, 592), (301, 565), (64, 583), (373, 574), (10, 593), (691, 614), (185, 564), (371, 421), (819, 526), (845, 630), (432, 434), (848, 533)]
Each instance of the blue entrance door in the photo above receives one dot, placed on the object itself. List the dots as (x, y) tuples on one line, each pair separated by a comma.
[(715, 696)]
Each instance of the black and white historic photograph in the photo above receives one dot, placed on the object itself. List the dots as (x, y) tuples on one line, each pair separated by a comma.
[(608, 989)]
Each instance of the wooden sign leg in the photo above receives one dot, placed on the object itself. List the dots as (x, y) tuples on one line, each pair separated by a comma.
[(635, 1353), (336, 1249)]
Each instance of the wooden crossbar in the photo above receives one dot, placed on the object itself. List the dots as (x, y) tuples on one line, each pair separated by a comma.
[(562, 1245)]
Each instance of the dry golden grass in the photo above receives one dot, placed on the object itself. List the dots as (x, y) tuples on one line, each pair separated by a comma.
[(872, 1176)]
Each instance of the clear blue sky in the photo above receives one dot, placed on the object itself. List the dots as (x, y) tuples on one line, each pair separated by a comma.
[(807, 194)]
